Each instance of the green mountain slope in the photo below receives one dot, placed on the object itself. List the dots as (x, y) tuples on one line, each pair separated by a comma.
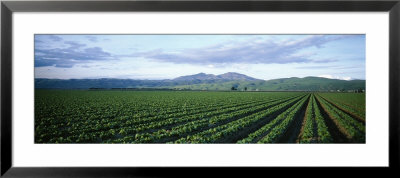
[(284, 84), (210, 82)]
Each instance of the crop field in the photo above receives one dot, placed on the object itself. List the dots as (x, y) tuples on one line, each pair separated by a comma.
[(112, 116)]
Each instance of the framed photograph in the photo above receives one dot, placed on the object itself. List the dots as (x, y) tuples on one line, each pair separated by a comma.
[(142, 88)]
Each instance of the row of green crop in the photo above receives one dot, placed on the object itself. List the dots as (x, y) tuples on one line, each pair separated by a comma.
[(308, 136), (199, 113), (357, 113), (281, 128), (354, 103), (100, 105), (315, 120), (116, 121), (95, 121), (189, 124), (130, 109), (354, 130), (205, 123), (101, 129), (218, 133), (190, 117), (323, 133), (255, 136), (350, 120)]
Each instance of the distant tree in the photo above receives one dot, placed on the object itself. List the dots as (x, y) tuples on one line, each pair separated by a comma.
[(233, 88), (245, 88)]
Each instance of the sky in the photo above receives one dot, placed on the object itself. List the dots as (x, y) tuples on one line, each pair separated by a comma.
[(158, 57)]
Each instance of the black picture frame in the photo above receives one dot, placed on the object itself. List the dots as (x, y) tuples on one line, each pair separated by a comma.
[(8, 7)]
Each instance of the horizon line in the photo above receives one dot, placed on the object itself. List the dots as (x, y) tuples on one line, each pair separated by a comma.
[(96, 78)]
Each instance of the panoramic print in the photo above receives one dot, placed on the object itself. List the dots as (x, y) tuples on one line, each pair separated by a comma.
[(199, 89)]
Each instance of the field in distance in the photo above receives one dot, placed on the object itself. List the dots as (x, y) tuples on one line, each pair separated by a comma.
[(83, 116)]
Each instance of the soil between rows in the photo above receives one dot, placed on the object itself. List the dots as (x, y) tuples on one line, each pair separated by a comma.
[(337, 135), (293, 132)]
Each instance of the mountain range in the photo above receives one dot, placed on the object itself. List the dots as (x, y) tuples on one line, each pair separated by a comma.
[(203, 81), (225, 76)]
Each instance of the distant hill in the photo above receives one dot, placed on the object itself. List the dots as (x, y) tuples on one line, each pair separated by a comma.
[(204, 81), (235, 76), (199, 76), (223, 77), (283, 84)]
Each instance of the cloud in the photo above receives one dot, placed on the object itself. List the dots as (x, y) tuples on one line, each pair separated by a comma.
[(251, 52), (55, 38), (68, 57), (334, 67), (37, 41), (74, 45), (335, 77), (319, 67), (324, 60), (92, 38)]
